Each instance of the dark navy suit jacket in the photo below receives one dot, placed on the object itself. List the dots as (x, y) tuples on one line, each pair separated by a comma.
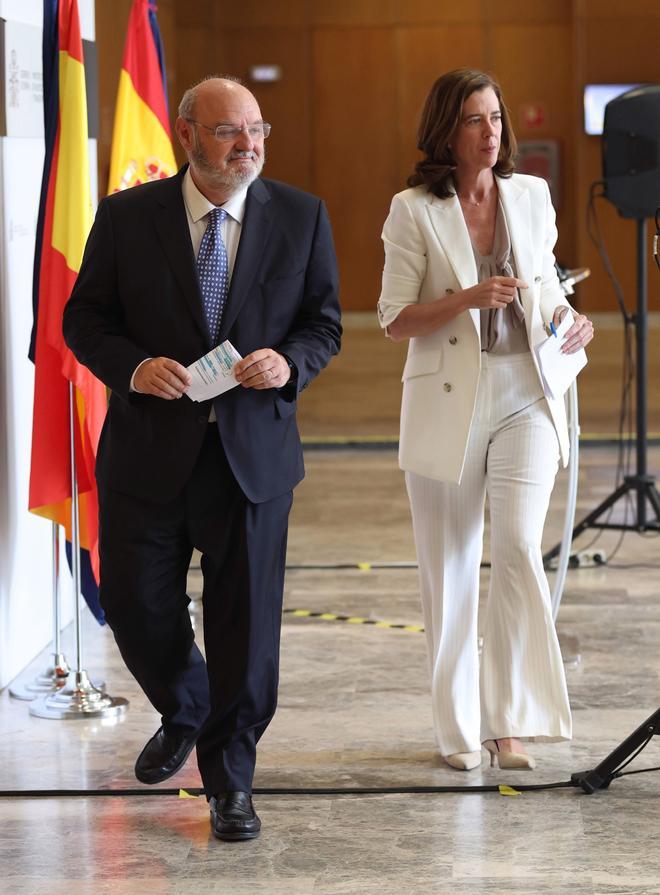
[(137, 296)]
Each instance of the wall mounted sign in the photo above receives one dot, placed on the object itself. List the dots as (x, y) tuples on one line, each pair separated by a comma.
[(541, 158), (21, 80), (533, 115)]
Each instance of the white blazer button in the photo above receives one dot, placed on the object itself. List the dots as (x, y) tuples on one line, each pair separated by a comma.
[(537, 279), (447, 386), (449, 291), (453, 340)]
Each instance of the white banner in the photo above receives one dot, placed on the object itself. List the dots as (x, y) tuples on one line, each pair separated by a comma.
[(23, 80)]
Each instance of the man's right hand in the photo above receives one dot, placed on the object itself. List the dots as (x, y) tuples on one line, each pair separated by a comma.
[(162, 377), (495, 292)]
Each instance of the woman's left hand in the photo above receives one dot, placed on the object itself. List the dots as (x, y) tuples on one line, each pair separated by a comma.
[(577, 336)]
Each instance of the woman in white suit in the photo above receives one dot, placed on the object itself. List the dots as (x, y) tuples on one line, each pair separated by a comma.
[(470, 281)]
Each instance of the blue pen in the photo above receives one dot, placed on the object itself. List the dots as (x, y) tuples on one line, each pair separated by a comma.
[(553, 329)]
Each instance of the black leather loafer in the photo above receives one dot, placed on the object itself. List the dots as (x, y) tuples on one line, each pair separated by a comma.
[(164, 755), (233, 817)]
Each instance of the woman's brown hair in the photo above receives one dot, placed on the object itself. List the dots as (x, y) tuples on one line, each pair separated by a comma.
[(441, 116)]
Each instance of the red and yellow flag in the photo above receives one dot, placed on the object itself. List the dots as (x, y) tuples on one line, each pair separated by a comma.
[(65, 217), (141, 142)]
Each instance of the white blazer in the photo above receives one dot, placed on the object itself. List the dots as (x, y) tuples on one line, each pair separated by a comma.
[(428, 254)]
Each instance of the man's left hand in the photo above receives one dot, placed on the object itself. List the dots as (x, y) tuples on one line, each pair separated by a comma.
[(264, 368)]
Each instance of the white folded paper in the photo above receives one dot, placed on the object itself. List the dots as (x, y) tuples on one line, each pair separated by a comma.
[(212, 374), (558, 370)]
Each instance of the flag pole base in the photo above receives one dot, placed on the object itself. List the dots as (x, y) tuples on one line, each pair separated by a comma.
[(50, 681), (78, 699)]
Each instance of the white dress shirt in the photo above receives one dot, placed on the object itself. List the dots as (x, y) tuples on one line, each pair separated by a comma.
[(197, 211), (198, 208)]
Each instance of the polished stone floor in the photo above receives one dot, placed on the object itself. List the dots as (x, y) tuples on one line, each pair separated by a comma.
[(354, 711)]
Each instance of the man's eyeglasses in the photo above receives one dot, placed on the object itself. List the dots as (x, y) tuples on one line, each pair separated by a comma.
[(227, 132)]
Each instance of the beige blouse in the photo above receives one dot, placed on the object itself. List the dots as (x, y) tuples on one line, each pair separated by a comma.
[(502, 329)]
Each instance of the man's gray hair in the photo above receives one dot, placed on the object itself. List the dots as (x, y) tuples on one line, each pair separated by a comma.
[(187, 104)]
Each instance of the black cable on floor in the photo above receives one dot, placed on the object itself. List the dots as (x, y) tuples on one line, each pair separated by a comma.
[(640, 771), (288, 791), (502, 788)]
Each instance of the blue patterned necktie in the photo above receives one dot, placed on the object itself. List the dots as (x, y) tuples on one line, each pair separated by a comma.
[(213, 271)]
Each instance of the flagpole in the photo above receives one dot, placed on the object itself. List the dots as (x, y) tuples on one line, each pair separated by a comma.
[(60, 665), (55, 676), (79, 698)]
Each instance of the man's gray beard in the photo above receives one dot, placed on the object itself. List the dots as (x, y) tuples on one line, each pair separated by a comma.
[(232, 180)]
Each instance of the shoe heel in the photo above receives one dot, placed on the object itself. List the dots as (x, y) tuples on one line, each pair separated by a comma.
[(491, 747), (507, 760)]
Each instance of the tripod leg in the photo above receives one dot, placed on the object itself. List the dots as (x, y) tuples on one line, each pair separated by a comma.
[(589, 521), (602, 775), (654, 499)]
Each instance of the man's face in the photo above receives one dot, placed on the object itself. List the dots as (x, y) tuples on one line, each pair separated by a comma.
[(223, 165)]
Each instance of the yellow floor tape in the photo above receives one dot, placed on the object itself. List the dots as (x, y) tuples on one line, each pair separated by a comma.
[(509, 791), (352, 620)]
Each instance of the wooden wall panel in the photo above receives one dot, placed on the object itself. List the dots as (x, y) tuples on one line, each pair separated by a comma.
[(438, 12), (286, 104), (615, 9), (533, 64), (195, 14), (260, 14), (355, 149), (365, 13), (198, 53), (423, 54), (525, 12)]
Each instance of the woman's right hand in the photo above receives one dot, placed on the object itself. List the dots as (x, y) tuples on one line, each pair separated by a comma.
[(495, 292)]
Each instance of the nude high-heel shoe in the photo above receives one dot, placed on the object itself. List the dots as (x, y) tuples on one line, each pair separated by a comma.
[(508, 760), (463, 761)]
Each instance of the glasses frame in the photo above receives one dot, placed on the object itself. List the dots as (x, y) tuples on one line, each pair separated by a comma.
[(214, 130)]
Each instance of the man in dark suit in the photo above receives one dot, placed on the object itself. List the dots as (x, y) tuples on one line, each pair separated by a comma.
[(171, 269)]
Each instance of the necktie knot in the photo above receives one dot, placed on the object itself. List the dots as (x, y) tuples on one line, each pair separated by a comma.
[(216, 217)]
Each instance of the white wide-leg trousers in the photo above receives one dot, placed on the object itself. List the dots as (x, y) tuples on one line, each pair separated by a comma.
[(520, 690)]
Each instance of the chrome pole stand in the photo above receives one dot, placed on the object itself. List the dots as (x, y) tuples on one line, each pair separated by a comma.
[(54, 677), (78, 698)]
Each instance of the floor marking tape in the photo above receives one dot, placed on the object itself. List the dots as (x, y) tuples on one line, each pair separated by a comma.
[(509, 791), (352, 620)]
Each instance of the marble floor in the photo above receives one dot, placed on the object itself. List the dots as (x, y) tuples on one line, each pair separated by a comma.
[(354, 711)]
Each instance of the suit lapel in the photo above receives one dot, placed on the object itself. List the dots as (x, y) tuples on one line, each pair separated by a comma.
[(174, 234), (518, 213), (256, 226), (452, 232), (449, 225)]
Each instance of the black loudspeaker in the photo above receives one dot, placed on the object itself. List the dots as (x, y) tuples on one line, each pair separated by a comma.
[(631, 152)]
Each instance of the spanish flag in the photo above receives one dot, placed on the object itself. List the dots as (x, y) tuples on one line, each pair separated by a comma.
[(65, 217), (141, 141)]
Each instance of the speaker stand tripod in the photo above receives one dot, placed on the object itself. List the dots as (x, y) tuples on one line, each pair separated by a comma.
[(641, 483), (602, 775)]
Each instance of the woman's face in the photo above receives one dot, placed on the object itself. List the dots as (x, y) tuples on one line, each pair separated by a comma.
[(476, 143)]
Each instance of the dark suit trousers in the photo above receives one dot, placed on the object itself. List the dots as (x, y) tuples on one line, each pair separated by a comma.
[(145, 551)]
